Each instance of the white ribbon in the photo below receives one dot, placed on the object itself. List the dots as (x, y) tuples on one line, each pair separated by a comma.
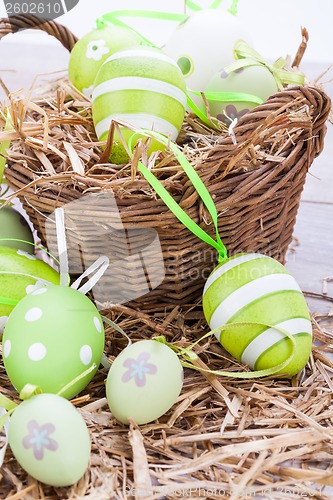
[(98, 267), (62, 245), (4, 447)]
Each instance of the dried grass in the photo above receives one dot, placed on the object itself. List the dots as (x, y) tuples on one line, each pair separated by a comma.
[(222, 439)]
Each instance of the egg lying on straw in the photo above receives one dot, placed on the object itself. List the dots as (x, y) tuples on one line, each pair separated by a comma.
[(50, 440), (254, 288), (144, 381)]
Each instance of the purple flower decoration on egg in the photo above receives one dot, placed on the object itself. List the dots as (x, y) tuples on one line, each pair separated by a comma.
[(225, 75), (231, 114), (39, 438), (138, 369)]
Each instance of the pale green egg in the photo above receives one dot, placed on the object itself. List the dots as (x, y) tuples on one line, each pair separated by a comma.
[(50, 440), (144, 381), (255, 288), (257, 81), (52, 336), (143, 88), (89, 53), (14, 225), (20, 272)]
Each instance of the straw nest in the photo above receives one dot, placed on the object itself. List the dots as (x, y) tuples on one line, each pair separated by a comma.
[(254, 171), (222, 439)]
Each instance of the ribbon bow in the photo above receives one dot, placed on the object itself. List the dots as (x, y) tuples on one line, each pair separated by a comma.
[(247, 56)]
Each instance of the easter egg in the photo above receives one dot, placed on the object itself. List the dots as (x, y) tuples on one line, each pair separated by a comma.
[(89, 53), (14, 225), (144, 381), (50, 440), (256, 288), (20, 272), (52, 336), (255, 80), (204, 43), (142, 87)]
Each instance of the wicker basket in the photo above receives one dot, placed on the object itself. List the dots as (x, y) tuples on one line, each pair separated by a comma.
[(255, 177)]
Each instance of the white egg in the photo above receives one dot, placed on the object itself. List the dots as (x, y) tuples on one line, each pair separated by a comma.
[(203, 44)]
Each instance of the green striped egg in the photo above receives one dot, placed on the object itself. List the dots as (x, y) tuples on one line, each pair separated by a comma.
[(255, 288), (142, 87)]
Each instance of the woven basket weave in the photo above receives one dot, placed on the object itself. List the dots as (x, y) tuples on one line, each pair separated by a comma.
[(255, 178)]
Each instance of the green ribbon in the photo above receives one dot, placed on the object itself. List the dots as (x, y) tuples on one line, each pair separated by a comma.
[(172, 204), (189, 356), (115, 17), (30, 390), (247, 56), (218, 97), (5, 145), (7, 403), (7, 301)]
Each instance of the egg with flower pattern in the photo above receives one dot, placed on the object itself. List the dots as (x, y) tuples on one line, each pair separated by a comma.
[(89, 53), (50, 440), (258, 291), (53, 336), (253, 84), (144, 382)]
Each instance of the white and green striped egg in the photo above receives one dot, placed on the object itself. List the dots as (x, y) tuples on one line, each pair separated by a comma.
[(255, 288), (142, 87)]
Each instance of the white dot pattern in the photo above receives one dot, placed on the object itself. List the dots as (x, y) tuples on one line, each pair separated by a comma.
[(33, 314), (86, 354), (97, 324), (7, 348), (37, 351)]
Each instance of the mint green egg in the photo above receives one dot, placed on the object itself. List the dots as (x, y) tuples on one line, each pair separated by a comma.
[(52, 336), (50, 440), (89, 53), (254, 288), (143, 88), (144, 381), (14, 226), (257, 81), (20, 272)]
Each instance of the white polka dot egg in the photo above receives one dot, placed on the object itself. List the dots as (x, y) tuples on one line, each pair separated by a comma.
[(144, 382), (52, 336)]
